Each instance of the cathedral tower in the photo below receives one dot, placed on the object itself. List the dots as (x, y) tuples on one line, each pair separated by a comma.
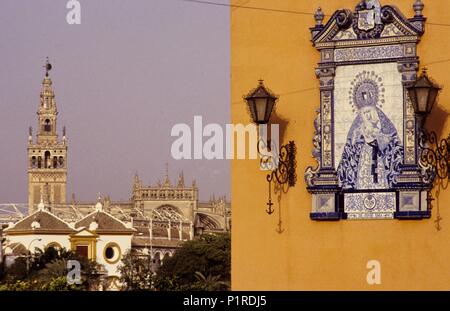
[(47, 156)]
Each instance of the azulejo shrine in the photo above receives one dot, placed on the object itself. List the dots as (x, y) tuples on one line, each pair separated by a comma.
[(366, 131)]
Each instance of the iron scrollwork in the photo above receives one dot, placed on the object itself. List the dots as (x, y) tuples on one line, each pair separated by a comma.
[(435, 155), (282, 166)]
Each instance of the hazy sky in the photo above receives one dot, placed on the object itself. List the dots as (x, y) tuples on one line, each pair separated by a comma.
[(122, 79)]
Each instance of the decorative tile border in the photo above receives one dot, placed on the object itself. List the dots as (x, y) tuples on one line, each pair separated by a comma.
[(370, 205), (365, 53)]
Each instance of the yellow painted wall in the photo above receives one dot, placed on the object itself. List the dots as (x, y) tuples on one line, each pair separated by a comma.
[(311, 255)]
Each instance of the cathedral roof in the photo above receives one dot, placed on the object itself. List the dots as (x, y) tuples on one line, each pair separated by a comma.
[(144, 242), (40, 222), (104, 223)]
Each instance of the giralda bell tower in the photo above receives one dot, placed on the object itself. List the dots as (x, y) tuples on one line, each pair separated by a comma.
[(47, 155)]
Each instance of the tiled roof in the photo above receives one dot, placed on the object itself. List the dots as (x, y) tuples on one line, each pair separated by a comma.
[(41, 221), (105, 223)]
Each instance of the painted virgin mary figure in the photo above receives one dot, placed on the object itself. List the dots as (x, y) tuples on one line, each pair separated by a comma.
[(373, 152)]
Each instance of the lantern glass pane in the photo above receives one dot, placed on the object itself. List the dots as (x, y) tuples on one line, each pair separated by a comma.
[(261, 106), (432, 98), (251, 106), (270, 104), (413, 98), (422, 99)]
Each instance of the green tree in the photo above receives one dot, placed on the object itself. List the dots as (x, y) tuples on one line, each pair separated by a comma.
[(200, 264), (135, 270), (48, 269), (210, 283), (15, 286), (16, 272), (59, 284)]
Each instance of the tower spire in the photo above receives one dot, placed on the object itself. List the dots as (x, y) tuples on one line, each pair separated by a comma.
[(136, 181), (181, 180), (166, 182)]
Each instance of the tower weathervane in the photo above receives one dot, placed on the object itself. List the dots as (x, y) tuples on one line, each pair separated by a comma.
[(47, 67)]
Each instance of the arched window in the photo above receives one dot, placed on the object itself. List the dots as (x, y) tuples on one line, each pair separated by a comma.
[(167, 212), (47, 163), (157, 259), (55, 162), (33, 162), (61, 162), (47, 125), (165, 257), (39, 162), (208, 223)]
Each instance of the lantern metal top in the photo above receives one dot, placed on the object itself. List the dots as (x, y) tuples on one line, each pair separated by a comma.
[(260, 92), (425, 81), (423, 93), (261, 102)]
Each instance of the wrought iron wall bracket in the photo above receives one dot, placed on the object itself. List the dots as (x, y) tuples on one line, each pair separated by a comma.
[(435, 155), (284, 173)]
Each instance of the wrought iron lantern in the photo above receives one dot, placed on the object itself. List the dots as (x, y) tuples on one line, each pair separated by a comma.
[(423, 94), (261, 102), (279, 161), (435, 154)]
